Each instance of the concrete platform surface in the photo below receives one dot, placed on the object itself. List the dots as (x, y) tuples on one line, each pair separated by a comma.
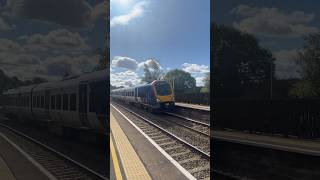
[(155, 163), (309, 147), (193, 106), (15, 165)]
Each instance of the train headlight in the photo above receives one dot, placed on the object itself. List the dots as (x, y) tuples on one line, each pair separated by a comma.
[(158, 100)]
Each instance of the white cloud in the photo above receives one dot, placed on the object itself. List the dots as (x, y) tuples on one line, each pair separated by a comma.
[(100, 10), (68, 12), (126, 78), (57, 39), (200, 81), (9, 46), (137, 11), (4, 26), (74, 65), (286, 66), (195, 68), (17, 60), (124, 62), (150, 63), (272, 22)]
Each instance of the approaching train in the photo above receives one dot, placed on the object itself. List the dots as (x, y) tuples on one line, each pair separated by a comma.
[(74, 103), (157, 95)]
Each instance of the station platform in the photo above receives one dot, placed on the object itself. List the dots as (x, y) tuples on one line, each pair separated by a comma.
[(303, 146), (133, 156), (193, 106), (15, 164)]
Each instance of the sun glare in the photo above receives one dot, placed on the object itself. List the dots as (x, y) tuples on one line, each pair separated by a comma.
[(123, 2)]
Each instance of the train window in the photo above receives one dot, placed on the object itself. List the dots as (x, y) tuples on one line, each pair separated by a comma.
[(59, 101), (53, 102), (65, 101), (34, 101), (38, 101), (163, 88), (92, 102), (42, 101), (73, 102)]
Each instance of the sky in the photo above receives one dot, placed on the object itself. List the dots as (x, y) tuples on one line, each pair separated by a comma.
[(47, 39), (280, 26), (171, 33)]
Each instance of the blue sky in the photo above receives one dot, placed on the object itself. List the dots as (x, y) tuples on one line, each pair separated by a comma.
[(176, 33), (278, 25), (48, 39)]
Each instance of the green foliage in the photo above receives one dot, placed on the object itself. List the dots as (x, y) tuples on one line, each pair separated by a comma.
[(241, 66), (152, 71), (181, 81), (115, 87), (206, 80), (104, 55), (302, 89), (7, 82), (309, 60), (204, 90)]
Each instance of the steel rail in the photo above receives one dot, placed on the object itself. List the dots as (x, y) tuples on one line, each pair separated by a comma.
[(188, 119), (206, 155), (79, 165)]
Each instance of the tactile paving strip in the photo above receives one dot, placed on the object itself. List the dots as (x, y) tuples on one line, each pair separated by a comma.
[(131, 163)]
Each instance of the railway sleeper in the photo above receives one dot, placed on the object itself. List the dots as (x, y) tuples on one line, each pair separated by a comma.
[(188, 159), (180, 154), (167, 143), (161, 136), (171, 148), (198, 169), (159, 141)]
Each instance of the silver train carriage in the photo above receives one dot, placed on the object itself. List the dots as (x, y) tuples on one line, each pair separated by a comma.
[(79, 102), (157, 95)]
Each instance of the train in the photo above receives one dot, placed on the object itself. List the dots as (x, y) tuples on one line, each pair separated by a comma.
[(78, 102), (155, 96)]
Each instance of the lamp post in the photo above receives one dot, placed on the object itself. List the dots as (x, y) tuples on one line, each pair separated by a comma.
[(271, 79)]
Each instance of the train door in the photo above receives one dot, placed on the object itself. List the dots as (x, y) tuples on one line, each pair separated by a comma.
[(46, 104), (97, 113), (148, 95), (83, 103), (136, 94)]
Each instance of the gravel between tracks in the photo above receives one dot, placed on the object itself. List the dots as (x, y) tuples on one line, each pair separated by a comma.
[(197, 164)]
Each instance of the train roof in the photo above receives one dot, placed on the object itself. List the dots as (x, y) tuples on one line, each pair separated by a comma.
[(137, 86), (94, 76)]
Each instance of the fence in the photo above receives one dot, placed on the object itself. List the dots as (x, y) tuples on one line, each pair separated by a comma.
[(296, 117), (193, 98)]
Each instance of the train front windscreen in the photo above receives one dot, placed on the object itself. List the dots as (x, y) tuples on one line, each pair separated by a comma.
[(163, 88)]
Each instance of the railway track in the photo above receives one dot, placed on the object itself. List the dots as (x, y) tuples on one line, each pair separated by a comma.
[(194, 125), (55, 164), (194, 159)]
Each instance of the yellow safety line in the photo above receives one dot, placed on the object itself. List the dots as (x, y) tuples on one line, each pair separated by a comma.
[(130, 161), (115, 160)]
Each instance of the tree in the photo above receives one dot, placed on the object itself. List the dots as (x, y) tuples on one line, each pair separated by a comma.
[(242, 68), (152, 71), (206, 87), (181, 81), (309, 61), (104, 55)]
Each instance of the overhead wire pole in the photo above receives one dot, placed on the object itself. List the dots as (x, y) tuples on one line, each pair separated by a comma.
[(271, 79)]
